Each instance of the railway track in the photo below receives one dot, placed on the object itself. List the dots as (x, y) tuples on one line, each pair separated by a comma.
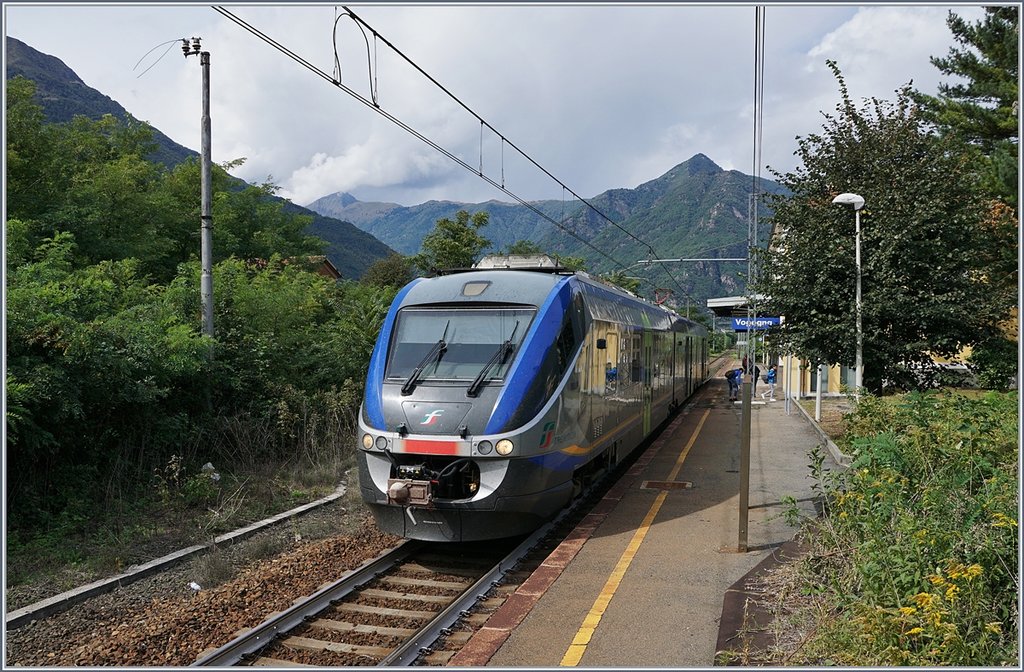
[(417, 603)]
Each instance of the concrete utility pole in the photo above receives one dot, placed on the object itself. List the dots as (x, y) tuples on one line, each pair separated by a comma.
[(206, 213)]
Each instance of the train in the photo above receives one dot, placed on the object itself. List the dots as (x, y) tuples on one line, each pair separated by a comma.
[(496, 394)]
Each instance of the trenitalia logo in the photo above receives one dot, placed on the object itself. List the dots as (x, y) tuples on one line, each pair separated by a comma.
[(431, 418), (549, 433)]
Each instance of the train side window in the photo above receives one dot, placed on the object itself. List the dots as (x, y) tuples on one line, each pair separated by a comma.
[(565, 346)]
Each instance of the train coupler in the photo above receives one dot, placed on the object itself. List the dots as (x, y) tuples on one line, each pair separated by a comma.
[(408, 492)]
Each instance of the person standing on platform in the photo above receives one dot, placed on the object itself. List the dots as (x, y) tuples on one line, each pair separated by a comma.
[(770, 379)]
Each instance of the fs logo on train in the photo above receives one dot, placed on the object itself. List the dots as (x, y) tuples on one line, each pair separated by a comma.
[(432, 417)]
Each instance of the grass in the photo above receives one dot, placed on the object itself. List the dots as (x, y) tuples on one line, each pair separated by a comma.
[(182, 510), (916, 559), (833, 414)]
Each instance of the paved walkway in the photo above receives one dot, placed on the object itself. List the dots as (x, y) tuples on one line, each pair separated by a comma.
[(644, 585)]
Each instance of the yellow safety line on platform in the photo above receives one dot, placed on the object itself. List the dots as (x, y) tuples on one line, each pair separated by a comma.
[(579, 644)]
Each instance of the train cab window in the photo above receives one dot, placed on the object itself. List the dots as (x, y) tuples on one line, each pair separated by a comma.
[(470, 338)]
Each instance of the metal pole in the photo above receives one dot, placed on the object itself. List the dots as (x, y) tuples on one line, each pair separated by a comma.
[(206, 216), (817, 398), (789, 381), (857, 201), (744, 465), (859, 375)]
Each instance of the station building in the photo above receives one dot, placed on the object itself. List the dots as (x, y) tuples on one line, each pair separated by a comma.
[(795, 376)]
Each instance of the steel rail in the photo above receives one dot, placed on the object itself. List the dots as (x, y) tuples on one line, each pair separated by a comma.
[(407, 654), (417, 645), (252, 641)]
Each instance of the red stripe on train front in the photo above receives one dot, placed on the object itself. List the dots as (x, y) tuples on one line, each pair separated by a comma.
[(428, 447)]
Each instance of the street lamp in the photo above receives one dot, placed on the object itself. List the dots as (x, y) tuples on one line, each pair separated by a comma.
[(857, 202)]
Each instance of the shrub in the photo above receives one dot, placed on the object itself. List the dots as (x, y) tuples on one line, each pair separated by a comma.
[(919, 549)]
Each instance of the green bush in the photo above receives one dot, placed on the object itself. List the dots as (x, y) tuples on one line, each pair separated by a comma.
[(919, 549), (115, 399)]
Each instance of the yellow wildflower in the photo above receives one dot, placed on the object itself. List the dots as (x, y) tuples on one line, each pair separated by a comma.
[(923, 599), (915, 631), (1002, 520), (973, 571), (937, 580), (951, 593), (907, 611), (994, 626)]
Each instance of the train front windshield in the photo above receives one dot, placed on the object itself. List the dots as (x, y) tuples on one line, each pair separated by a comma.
[(471, 338)]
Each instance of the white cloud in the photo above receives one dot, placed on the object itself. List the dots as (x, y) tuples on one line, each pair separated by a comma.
[(602, 96)]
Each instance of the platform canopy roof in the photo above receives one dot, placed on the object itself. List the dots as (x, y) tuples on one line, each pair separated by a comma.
[(732, 306)]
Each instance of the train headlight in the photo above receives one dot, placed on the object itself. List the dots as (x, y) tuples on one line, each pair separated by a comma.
[(367, 441), (504, 447), (382, 443), (484, 447)]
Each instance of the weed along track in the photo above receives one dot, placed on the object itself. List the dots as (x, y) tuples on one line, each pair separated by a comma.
[(400, 608), (417, 603)]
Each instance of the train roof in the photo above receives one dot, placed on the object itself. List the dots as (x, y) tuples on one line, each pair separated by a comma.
[(529, 285)]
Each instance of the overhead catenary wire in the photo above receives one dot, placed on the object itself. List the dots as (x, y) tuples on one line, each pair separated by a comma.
[(401, 124), (336, 81), (484, 123)]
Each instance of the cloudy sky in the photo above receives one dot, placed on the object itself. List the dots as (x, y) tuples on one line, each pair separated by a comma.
[(601, 96)]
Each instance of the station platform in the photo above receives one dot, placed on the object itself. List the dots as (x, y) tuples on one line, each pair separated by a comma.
[(642, 581)]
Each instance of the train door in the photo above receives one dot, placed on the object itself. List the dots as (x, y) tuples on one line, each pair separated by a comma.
[(647, 389), (689, 365)]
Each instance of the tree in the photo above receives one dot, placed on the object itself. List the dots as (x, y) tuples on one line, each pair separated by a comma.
[(983, 109), (627, 282), (572, 263), (395, 270), (524, 248), (925, 287), (453, 243), (85, 177)]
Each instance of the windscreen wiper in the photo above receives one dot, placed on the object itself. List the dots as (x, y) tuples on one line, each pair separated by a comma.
[(504, 350), (434, 354)]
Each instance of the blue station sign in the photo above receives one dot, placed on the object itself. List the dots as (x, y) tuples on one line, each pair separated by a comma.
[(755, 323)]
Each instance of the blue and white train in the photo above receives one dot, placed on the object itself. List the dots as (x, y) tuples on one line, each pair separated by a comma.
[(495, 395)]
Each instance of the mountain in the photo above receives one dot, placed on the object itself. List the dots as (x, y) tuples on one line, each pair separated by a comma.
[(695, 210), (405, 227), (63, 95)]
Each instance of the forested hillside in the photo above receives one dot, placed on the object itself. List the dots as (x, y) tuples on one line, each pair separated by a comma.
[(63, 95), (114, 397), (697, 209)]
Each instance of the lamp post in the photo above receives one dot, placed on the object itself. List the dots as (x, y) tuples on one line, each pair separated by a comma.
[(857, 202)]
